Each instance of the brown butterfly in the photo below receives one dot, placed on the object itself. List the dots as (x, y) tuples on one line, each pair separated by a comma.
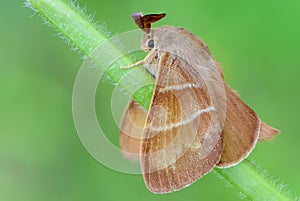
[(195, 121)]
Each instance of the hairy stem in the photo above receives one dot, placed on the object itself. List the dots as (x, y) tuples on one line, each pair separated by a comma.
[(254, 183), (78, 30)]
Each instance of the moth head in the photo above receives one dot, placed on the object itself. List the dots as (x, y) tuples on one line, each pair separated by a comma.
[(144, 22), (148, 42)]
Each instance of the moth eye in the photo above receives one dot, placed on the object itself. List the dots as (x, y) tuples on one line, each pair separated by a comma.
[(151, 43)]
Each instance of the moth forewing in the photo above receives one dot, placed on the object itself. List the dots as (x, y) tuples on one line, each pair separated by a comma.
[(182, 140)]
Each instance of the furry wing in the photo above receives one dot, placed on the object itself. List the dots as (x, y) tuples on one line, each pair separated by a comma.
[(182, 137), (241, 131)]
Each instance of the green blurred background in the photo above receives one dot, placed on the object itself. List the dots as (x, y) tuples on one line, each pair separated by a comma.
[(41, 156)]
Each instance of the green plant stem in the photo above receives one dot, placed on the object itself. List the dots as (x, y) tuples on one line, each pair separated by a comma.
[(74, 26), (255, 183), (77, 29)]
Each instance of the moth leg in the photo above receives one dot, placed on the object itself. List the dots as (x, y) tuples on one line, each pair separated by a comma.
[(141, 62), (148, 59)]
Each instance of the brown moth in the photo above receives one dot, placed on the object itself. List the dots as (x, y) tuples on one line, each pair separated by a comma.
[(195, 122)]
